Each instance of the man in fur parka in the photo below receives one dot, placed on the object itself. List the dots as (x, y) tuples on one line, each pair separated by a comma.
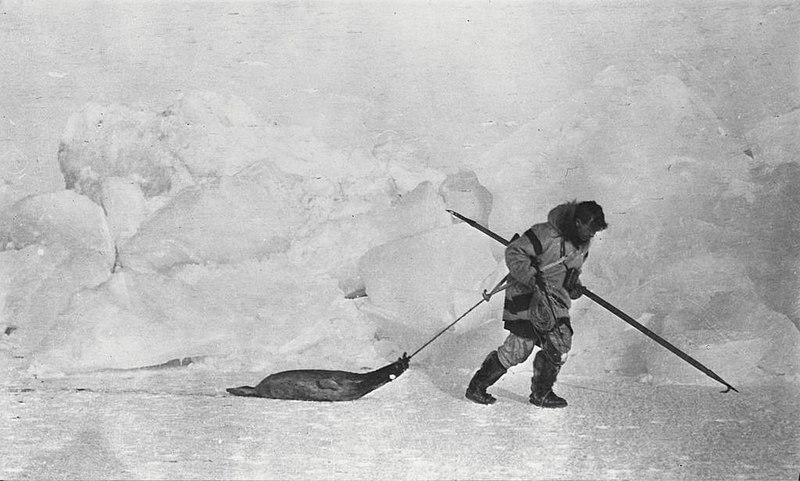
[(544, 264)]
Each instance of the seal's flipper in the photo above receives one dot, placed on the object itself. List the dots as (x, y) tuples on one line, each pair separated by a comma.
[(243, 391), (328, 384)]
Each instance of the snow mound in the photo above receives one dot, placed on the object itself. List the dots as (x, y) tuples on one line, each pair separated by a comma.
[(225, 239), (463, 193), (51, 245), (16, 179), (615, 143), (214, 135), (125, 206), (705, 306), (756, 346), (757, 229), (335, 246), (418, 282), (62, 217), (254, 315), (116, 141), (230, 219), (202, 135)]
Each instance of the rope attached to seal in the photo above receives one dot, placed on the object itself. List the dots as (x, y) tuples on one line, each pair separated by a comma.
[(485, 296)]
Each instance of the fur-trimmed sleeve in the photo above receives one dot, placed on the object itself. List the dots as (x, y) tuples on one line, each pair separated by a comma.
[(522, 261)]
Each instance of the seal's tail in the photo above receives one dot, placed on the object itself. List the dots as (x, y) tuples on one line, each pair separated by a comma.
[(243, 391)]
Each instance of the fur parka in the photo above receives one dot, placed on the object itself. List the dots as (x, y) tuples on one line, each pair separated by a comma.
[(559, 241)]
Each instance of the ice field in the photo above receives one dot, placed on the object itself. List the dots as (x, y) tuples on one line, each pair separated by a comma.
[(198, 194)]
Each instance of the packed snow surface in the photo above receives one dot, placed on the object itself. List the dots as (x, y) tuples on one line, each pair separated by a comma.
[(196, 195), (182, 425)]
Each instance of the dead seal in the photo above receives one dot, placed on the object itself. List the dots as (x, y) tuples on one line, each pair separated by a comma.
[(323, 385)]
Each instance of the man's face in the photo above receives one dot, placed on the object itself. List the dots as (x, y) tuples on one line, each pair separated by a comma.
[(585, 232)]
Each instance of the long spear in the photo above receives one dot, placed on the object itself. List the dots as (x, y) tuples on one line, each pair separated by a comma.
[(652, 335), (617, 312)]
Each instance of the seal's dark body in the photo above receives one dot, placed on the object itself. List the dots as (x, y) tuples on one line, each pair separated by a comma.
[(322, 385)]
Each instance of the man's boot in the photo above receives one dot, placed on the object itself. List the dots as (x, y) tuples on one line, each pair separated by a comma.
[(491, 370), (544, 376)]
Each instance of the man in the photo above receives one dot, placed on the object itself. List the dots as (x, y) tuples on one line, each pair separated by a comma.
[(543, 264)]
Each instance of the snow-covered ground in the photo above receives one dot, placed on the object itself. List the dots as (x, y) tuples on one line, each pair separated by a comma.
[(182, 425), (262, 186)]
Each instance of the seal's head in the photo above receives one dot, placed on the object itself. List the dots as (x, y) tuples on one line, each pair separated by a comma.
[(399, 366)]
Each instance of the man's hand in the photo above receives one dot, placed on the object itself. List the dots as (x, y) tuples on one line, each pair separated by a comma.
[(572, 284)]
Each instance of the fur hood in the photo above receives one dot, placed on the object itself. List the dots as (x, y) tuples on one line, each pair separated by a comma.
[(562, 218)]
